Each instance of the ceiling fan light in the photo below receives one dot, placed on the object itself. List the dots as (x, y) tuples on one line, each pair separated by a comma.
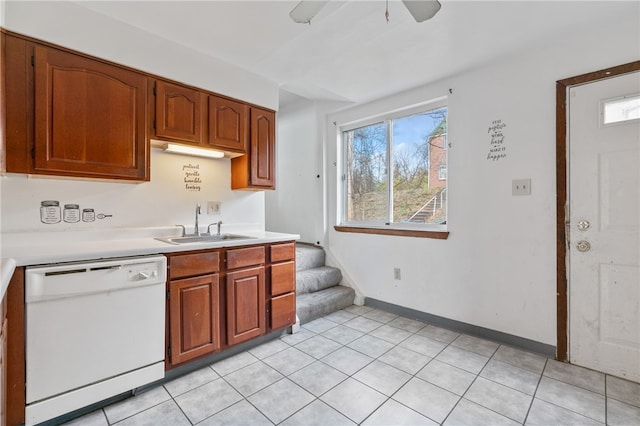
[(306, 10), (422, 10)]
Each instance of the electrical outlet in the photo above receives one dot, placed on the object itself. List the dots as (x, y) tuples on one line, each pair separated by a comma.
[(213, 207), (396, 274), (521, 187)]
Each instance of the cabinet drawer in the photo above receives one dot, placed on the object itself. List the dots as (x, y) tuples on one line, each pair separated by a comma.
[(283, 278), (186, 265), (283, 311), (282, 252), (239, 258)]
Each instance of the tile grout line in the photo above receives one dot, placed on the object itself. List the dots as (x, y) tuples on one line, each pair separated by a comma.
[(533, 398), (178, 405), (606, 401), (469, 387)]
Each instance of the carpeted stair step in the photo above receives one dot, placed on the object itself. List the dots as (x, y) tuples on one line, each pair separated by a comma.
[(316, 279), (314, 305), (309, 256)]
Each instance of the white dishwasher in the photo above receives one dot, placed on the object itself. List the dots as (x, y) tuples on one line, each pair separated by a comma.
[(93, 330)]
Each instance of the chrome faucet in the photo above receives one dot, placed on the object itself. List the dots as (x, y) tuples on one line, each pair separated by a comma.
[(196, 231), (219, 223)]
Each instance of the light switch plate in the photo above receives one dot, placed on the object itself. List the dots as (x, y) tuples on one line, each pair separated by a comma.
[(521, 187)]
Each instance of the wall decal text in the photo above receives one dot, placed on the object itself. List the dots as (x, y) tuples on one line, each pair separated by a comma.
[(192, 178), (497, 147)]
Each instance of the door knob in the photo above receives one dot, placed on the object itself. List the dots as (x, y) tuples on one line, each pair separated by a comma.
[(583, 246), (583, 225)]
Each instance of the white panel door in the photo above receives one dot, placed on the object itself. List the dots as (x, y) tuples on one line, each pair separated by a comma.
[(604, 215)]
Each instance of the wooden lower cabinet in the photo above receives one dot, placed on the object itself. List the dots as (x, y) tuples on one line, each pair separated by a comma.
[(282, 280), (245, 304), (221, 297), (194, 312), (15, 379)]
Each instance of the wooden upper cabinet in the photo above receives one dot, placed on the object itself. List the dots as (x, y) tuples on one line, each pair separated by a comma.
[(179, 112), (228, 124), (256, 170), (263, 137), (90, 118)]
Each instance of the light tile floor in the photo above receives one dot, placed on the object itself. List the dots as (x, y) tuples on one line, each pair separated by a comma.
[(370, 367)]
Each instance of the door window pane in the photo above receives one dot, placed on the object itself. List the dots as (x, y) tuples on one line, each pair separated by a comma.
[(621, 109)]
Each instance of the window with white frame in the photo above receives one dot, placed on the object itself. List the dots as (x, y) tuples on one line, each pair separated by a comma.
[(442, 172), (395, 170)]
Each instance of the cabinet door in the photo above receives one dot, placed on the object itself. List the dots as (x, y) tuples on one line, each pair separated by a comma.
[(256, 170), (194, 312), (90, 118), (262, 148), (228, 124), (179, 112), (245, 304)]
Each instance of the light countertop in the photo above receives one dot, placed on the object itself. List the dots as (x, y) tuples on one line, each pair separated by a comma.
[(36, 248)]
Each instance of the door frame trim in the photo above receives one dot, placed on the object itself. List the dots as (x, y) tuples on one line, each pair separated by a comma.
[(562, 158)]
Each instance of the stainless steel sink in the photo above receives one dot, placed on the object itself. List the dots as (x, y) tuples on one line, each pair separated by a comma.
[(206, 238)]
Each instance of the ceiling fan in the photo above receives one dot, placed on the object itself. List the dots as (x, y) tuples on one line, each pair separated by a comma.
[(421, 10)]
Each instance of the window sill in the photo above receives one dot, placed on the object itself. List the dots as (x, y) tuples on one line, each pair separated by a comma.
[(439, 235)]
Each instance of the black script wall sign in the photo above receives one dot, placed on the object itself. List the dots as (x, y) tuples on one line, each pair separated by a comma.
[(192, 178), (497, 147)]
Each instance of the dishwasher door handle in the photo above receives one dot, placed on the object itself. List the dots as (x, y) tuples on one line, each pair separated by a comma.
[(103, 268), (65, 272)]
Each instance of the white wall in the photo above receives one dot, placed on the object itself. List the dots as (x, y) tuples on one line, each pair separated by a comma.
[(79, 28), (497, 269), (164, 201), (298, 204), (297, 165)]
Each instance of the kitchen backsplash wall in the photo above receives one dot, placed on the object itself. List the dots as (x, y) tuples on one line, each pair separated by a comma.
[(177, 184)]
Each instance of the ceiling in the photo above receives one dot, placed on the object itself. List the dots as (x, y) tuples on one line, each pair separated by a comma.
[(349, 52)]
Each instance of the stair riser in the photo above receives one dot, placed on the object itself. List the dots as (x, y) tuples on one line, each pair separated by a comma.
[(308, 257), (316, 279), (315, 305)]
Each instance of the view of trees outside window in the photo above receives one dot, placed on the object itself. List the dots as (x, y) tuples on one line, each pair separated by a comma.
[(394, 170)]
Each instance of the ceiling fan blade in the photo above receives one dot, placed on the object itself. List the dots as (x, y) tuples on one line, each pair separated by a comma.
[(422, 9), (306, 10)]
